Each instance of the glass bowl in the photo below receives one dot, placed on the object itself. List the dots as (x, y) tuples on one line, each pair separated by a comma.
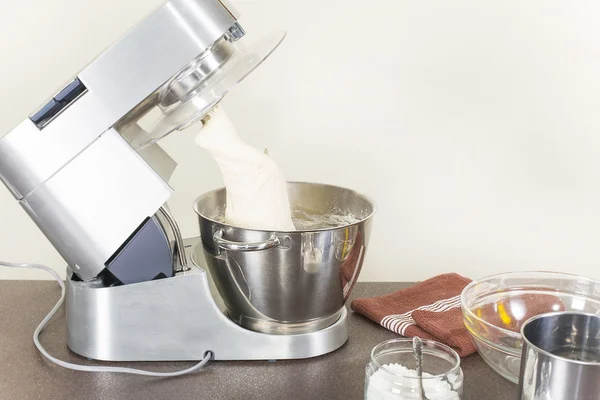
[(495, 307), (391, 373)]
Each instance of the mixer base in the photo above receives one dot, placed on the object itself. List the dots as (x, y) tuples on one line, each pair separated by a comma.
[(176, 319)]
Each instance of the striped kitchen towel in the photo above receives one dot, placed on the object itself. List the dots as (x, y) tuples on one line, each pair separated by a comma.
[(429, 310)]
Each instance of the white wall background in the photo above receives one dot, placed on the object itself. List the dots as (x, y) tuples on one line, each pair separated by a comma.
[(474, 124)]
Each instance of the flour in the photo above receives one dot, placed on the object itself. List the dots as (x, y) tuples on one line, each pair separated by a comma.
[(400, 383), (257, 195)]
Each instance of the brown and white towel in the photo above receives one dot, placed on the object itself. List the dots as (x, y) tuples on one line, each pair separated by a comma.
[(429, 310)]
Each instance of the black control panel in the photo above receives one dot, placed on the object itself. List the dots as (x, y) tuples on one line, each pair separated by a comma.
[(58, 103)]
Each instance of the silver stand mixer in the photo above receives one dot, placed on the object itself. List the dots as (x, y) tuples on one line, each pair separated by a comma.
[(87, 169)]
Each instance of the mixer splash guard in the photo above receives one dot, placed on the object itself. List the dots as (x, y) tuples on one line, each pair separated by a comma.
[(195, 90)]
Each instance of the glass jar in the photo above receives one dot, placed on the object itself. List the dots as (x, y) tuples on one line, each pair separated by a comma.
[(392, 372)]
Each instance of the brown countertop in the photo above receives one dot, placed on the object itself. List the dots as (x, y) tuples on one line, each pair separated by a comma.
[(25, 374)]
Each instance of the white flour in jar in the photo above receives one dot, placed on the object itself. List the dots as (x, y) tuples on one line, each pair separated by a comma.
[(400, 384), (257, 195)]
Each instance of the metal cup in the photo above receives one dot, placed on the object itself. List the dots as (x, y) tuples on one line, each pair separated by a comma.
[(561, 357)]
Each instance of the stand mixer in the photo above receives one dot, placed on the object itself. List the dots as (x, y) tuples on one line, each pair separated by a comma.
[(87, 169)]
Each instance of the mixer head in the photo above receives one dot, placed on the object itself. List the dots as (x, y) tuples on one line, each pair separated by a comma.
[(85, 166)]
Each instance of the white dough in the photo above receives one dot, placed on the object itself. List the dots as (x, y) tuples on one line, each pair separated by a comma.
[(257, 195)]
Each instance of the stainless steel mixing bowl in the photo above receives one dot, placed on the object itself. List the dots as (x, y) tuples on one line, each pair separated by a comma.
[(288, 282)]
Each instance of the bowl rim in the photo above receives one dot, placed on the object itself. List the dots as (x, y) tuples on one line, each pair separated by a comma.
[(374, 209), (471, 314), (455, 368)]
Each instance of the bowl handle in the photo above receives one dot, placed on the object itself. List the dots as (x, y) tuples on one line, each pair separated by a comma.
[(225, 244)]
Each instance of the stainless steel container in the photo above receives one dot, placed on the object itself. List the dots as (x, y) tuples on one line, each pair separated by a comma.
[(561, 357), (288, 282)]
